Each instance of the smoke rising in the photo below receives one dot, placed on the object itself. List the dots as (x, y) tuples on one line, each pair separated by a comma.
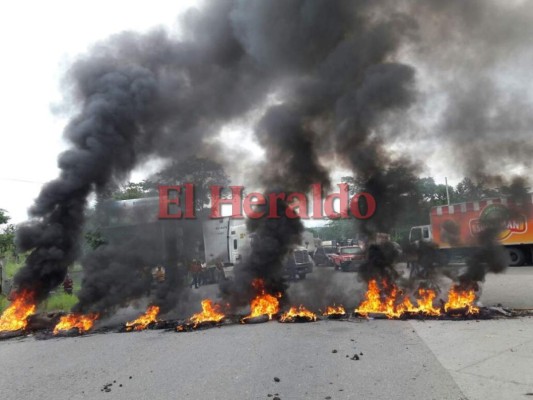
[(103, 138), (350, 80)]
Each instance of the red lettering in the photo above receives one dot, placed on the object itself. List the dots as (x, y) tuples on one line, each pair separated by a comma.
[(317, 201), (343, 200), (370, 205), (273, 204), (235, 201), (299, 201), (254, 199), (189, 201), (165, 201)]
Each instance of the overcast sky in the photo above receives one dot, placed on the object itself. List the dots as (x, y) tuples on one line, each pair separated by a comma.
[(39, 41)]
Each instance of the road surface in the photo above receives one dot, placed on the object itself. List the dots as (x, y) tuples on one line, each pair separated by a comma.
[(397, 359)]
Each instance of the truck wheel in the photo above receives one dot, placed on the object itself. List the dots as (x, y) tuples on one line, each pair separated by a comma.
[(516, 257), (302, 276)]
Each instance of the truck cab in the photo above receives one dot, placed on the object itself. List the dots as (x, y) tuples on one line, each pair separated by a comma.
[(421, 233), (228, 241)]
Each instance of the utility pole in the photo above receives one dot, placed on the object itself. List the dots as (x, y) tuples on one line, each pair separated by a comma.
[(447, 192)]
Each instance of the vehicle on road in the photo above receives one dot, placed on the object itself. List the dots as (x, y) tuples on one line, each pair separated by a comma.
[(227, 241), (323, 255), (348, 258), (297, 264), (455, 228)]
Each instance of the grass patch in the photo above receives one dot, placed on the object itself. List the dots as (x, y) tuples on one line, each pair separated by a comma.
[(3, 303), (59, 302), (12, 266), (56, 302)]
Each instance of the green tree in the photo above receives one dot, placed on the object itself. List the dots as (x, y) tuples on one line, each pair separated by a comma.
[(4, 218), (468, 190), (201, 172), (7, 234), (517, 189), (339, 229), (432, 193), (133, 190), (354, 184), (94, 239)]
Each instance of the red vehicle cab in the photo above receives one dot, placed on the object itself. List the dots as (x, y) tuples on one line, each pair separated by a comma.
[(347, 258)]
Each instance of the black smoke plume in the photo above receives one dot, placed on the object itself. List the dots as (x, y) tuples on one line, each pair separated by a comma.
[(137, 95), (115, 102), (490, 255), (337, 83)]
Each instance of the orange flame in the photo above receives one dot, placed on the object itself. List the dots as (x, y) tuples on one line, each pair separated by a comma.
[(297, 312), (210, 313), (144, 320), (460, 298), (335, 310), (391, 302), (425, 302), (263, 303), (70, 321), (15, 317), (387, 304)]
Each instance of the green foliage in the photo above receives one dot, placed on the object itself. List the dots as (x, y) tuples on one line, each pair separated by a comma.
[(468, 190), (94, 239), (133, 190), (3, 303), (201, 172), (13, 264), (4, 218), (7, 234), (59, 302), (354, 184), (517, 189), (7, 240), (339, 229), (432, 193), (56, 302)]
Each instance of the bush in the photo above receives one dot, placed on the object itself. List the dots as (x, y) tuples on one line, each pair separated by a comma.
[(59, 302)]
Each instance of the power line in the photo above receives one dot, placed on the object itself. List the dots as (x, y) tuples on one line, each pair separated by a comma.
[(21, 180)]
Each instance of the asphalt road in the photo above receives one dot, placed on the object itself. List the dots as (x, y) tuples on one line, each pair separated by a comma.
[(400, 359), (513, 288), (234, 362)]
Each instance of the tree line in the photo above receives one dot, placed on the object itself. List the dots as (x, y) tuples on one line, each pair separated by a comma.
[(415, 198), (413, 195)]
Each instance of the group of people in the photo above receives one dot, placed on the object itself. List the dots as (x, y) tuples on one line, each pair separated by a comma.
[(203, 275), (199, 273)]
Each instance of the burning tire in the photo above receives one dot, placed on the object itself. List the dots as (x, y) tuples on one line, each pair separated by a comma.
[(191, 327), (255, 320), (11, 334), (337, 316), (297, 319)]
